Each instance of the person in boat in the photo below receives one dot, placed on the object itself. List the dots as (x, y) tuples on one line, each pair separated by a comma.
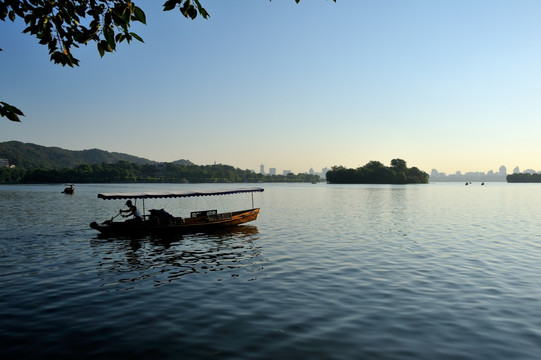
[(132, 210)]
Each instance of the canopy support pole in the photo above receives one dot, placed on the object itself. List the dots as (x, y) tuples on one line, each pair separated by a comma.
[(143, 200)]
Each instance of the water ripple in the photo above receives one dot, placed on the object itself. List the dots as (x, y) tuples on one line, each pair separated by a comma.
[(328, 272)]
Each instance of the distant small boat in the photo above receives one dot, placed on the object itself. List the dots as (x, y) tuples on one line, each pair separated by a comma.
[(70, 189)]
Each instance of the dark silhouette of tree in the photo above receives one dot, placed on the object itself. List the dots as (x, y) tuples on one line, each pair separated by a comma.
[(524, 178), (374, 172), (398, 164), (125, 172)]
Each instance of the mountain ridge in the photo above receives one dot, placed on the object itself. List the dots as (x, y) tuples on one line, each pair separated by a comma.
[(33, 156)]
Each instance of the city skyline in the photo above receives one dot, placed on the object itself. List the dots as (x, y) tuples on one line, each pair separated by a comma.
[(273, 170), (502, 170), (316, 84)]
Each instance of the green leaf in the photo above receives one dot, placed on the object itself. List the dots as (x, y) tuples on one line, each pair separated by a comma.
[(192, 12), (140, 15), (10, 111), (108, 18), (201, 10), (109, 35), (126, 14), (12, 108), (169, 5), (100, 49), (137, 37), (204, 13)]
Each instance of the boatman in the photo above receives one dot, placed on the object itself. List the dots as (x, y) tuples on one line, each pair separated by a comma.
[(132, 210)]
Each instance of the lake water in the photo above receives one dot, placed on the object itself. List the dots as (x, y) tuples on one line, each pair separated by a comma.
[(437, 271)]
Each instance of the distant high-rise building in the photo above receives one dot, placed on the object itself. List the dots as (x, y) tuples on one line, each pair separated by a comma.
[(272, 171), (324, 172), (285, 172), (262, 169), (311, 171), (503, 170), (516, 170), (434, 173)]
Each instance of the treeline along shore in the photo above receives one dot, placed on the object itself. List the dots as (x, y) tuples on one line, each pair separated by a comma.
[(126, 172), (373, 172), (36, 164), (524, 178), (26, 163)]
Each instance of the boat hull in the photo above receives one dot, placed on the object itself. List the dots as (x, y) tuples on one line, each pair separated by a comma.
[(176, 225)]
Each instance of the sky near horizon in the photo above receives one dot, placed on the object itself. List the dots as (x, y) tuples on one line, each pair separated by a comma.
[(446, 85)]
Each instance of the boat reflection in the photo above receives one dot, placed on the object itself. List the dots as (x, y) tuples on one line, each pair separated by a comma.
[(172, 237), (219, 254)]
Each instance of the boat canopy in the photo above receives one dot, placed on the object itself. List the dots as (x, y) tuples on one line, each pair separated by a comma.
[(176, 194)]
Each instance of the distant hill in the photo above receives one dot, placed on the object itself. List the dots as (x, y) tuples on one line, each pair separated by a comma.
[(32, 156)]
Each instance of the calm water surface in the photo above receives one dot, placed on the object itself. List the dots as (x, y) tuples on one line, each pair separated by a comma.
[(438, 271)]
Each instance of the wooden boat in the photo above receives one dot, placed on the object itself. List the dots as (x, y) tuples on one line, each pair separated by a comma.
[(159, 221), (69, 189)]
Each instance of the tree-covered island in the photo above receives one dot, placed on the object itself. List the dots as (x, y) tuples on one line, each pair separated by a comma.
[(374, 172), (524, 178)]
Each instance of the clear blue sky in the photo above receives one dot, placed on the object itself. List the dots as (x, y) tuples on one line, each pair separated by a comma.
[(450, 85)]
